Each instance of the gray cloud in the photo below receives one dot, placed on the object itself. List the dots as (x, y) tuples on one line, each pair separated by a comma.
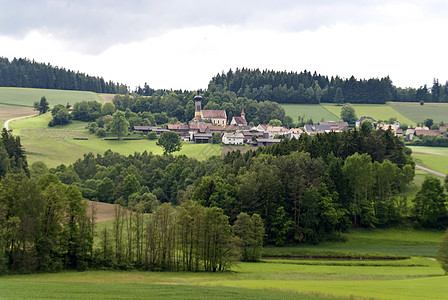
[(93, 26)]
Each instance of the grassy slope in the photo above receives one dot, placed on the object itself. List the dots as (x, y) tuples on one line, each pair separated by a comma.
[(436, 111), (56, 145), (376, 111), (27, 97), (435, 158), (315, 112)]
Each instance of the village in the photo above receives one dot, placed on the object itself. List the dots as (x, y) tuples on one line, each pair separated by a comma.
[(208, 124)]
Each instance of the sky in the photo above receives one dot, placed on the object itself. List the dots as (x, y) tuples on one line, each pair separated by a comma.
[(174, 44)]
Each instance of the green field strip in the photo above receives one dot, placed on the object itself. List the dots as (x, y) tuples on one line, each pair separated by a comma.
[(27, 96), (377, 111), (314, 111), (434, 162), (418, 113)]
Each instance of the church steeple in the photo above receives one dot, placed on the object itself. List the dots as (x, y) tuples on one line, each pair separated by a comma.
[(197, 106), (243, 115)]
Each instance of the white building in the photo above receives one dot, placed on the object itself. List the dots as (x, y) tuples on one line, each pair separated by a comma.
[(233, 138)]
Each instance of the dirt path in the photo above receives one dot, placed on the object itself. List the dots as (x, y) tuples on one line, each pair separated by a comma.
[(7, 122), (429, 153), (430, 171)]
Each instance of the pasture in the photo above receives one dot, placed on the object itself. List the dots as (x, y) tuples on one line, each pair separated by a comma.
[(435, 158), (315, 112), (436, 111), (27, 97), (404, 112), (56, 145), (274, 278), (376, 111)]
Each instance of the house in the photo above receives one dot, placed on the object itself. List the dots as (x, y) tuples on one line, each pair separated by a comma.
[(201, 138), (294, 133), (266, 142), (146, 129), (233, 138), (360, 120), (334, 124), (312, 129), (239, 121), (385, 127), (181, 128)]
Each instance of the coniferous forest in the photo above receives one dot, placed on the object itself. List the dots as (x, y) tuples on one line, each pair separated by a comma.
[(30, 74)]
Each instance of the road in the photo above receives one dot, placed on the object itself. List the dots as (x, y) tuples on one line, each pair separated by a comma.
[(7, 122), (430, 171)]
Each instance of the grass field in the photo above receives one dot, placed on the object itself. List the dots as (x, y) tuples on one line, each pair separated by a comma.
[(55, 145), (436, 111), (27, 97), (435, 158), (376, 111), (315, 112)]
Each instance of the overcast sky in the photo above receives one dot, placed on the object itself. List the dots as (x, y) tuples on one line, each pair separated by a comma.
[(182, 44)]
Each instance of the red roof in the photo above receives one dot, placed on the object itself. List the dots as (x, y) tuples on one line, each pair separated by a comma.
[(239, 120), (180, 126), (221, 114), (427, 132)]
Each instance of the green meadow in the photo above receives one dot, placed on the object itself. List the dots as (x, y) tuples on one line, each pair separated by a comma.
[(27, 97), (436, 111), (61, 145), (315, 112), (377, 111), (404, 112), (434, 158), (416, 277)]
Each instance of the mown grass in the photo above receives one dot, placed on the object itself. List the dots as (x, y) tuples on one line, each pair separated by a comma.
[(88, 290), (430, 150), (436, 111), (56, 145), (27, 97), (434, 162), (377, 111), (309, 111), (368, 244), (413, 278)]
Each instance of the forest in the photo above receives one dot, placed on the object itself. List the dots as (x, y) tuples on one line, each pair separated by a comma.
[(260, 85), (47, 225), (305, 190), (27, 73), (312, 88)]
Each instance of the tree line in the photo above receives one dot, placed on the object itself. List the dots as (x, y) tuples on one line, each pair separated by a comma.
[(27, 73), (312, 88), (46, 225), (305, 190)]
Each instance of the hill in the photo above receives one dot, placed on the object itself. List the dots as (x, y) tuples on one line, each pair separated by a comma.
[(27, 97), (23, 72)]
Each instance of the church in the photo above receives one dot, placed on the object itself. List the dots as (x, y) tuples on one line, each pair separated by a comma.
[(216, 117)]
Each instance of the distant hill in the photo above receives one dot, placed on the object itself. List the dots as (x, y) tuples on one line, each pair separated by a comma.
[(27, 73), (312, 88)]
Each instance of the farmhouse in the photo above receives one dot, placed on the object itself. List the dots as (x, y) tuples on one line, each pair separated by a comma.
[(360, 120), (233, 138)]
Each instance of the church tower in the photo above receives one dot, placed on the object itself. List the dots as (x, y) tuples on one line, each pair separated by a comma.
[(197, 106)]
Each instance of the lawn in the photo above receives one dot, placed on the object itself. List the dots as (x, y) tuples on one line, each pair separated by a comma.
[(377, 111), (416, 112), (434, 158), (27, 97), (434, 162), (56, 145), (315, 112)]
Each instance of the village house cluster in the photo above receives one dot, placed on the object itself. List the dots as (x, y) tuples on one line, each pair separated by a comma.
[(206, 123)]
